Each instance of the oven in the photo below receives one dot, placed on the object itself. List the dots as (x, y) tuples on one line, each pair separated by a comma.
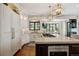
[(58, 50)]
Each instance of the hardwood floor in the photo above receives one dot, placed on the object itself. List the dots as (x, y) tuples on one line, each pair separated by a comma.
[(27, 50)]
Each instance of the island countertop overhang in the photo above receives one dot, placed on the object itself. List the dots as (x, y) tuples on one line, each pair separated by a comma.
[(56, 40)]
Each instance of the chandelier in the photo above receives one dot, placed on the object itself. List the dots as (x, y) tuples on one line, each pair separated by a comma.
[(58, 9), (55, 11)]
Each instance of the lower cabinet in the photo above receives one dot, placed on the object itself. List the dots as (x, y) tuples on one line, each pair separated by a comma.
[(41, 50), (74, 50), (57, 50)]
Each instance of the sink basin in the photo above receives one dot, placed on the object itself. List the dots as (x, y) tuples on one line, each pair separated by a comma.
[(48, 35)]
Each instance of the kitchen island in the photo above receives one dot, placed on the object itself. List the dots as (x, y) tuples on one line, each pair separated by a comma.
[(57, 46)]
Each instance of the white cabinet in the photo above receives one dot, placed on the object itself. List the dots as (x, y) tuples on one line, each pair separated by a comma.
[(16, 41), (9, 20), (0, 29), (5, 42)]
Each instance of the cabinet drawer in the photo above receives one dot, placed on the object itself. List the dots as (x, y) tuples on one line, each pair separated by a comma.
[(75, 46)]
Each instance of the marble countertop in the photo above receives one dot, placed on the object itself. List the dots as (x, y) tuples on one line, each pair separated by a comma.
[(56, 40)]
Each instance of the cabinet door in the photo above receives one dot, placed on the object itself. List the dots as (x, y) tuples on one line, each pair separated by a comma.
[(5, 30), (41, 50), (10, 31), (16, 42), (74, 50), (0, 26)]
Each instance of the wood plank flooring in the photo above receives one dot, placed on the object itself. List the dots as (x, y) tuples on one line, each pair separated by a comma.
[(27, 50)]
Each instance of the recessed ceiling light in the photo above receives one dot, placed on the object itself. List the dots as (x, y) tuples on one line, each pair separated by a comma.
[(25, 17)]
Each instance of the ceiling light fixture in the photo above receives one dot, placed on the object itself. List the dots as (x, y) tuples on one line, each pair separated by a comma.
[(58, 10), (55, 11)]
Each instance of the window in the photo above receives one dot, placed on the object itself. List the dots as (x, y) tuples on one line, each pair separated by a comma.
[(34, 25), (51, 27)]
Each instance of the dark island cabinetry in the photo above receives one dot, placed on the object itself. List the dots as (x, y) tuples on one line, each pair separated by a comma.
[(41, 50), (74, 50), (57, 49)]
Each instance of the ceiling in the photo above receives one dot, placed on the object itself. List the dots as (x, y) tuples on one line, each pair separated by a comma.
[(42, 8)]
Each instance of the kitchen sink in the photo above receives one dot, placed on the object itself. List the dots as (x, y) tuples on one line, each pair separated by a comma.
[(48, 35)]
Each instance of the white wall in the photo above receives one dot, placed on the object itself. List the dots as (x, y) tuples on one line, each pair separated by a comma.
[(9, 20)]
